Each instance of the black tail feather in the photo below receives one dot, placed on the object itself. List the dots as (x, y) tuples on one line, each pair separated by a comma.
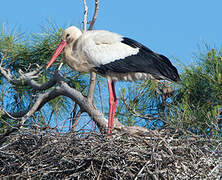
[(145, 61)]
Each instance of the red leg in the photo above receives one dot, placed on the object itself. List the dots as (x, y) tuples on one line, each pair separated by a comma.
[(112, 105), (111, 99)]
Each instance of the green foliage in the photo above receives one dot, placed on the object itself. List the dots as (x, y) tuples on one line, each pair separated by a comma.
[(201, 92), (201, 84), (44, 44), (191, 105)]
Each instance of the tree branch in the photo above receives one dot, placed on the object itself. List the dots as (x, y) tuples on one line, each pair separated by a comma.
[(63, 89), (37, 86), (85, 16), (41, 101), (94, 15)]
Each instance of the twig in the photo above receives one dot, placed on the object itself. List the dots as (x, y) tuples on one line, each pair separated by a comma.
[(98, 178), (101, 98), (50, 117), (60, 66), (141, 170), (75, 117), (72, 121), (76, 120), (212, 171), (7, 133), (135, 113), (2, 58)]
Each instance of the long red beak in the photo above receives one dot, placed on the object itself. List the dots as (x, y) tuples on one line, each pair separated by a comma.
[(57, 52)]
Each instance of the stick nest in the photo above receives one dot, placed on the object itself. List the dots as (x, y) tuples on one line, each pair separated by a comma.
[(29, 155)]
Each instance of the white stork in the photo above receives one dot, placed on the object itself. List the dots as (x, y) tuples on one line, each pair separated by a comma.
[(113, 56)]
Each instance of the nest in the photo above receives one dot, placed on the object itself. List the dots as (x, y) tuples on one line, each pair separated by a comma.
[(28, 155)]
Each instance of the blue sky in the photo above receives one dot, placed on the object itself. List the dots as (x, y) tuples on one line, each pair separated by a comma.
[(171, 27)]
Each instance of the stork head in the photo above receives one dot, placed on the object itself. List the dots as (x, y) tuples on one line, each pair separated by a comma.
[(70, 35)]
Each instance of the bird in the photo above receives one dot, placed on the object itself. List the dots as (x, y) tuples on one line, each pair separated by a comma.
[(113, 56)]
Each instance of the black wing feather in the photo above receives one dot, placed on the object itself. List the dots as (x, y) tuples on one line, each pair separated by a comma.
[(144, 61)]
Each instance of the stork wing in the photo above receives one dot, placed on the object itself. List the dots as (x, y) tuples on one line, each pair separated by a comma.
[(110, 52), (104, 47)]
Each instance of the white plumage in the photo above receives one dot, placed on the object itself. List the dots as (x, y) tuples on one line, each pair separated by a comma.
[(105, 53), (113, 56)]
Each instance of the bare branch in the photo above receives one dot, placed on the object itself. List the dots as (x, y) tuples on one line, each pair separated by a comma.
[(37, 86), (6, 73), (93, 74), (60, 66), (63, 89), (32, 73), (41, 101), (26, 79), (85, 16), (94, 15)]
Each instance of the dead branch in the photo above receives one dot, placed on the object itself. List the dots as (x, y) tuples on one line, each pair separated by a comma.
[(26, 79), (65, 90)]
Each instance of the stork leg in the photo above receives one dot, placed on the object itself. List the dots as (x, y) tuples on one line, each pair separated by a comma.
[(112, 105)]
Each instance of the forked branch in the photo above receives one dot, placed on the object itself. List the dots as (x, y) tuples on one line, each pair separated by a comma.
[(63, 89)]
